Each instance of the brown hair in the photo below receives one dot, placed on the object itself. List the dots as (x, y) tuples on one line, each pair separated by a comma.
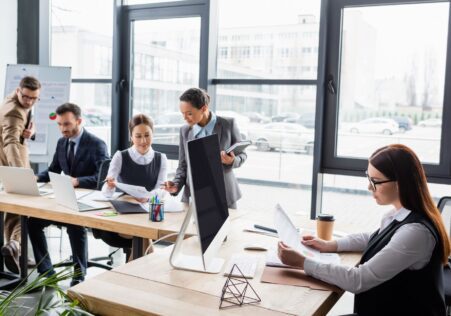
[(139, 119), (196, 96), (400, 163), (30, 83), (69, 107)]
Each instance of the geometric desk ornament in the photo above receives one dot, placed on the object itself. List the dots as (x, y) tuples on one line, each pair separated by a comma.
[(235, 289)]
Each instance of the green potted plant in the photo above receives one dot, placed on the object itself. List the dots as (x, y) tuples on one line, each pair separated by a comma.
[(12, 302)]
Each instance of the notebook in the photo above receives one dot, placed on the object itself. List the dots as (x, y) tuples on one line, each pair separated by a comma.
[(124, 207), (239, 147)]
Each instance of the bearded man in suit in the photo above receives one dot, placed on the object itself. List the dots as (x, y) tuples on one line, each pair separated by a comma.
[(79, 155)]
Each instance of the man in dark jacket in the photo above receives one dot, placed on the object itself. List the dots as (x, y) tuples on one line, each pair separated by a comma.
[(79, 155)]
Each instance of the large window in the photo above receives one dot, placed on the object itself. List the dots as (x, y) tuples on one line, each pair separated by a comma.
[(82, 37), (391, 91), (386, 82), (381, 68), (279, 40), (267, 61), (165, 62)]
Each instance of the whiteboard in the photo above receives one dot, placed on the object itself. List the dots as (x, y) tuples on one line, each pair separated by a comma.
[(55, 91)]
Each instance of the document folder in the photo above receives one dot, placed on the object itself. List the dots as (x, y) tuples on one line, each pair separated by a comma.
[(124, 207)]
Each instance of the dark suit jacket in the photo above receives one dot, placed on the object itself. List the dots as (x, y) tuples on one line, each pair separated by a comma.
[(228, 134), (90, 153)]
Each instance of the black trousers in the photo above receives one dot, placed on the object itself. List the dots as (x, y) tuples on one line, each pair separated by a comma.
[(78, 243)]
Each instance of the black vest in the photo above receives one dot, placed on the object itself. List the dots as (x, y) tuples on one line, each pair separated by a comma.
[(411, 292), (143, 175)]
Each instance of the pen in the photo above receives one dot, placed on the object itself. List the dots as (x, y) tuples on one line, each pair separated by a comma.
[(268, 229)]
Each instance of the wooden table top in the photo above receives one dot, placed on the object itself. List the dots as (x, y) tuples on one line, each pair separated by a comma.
[(160, 289)]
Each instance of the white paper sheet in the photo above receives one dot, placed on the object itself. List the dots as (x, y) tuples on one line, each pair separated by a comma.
[(272, 259), (98, 196), (290, 236), (133, 190), (172, 204)]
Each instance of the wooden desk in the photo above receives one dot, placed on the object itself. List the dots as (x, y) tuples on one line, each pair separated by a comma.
[(44, 207), (149, 285), (137, 225)]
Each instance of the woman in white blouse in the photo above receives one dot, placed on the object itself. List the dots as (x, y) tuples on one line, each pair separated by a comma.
[(137, 165), (401, 270)]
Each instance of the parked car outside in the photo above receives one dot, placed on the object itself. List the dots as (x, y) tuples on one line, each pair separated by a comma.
[(375, 125), (430, 123), (306, 120), (97, 116), (404, 123), (288, 117), (283, 136), (257, 117)]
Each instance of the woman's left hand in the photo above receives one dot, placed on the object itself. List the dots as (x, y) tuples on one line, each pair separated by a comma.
[(289, 256), (227, 159)]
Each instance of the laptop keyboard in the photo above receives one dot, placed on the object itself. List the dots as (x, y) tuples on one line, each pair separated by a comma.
[(246, 263)]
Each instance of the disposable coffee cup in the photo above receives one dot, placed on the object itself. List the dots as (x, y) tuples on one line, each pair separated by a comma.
[(325, 226)]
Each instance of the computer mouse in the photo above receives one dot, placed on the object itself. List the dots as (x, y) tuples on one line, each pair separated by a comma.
[(255, 247)]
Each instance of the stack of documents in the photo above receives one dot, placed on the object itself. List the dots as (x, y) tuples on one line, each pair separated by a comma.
[(290, 236)]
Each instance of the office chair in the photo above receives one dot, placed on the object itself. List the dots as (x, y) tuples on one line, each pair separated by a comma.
[(447, 271), (110, 238)]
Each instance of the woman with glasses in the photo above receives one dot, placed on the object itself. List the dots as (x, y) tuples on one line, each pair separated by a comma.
[(401, 269)]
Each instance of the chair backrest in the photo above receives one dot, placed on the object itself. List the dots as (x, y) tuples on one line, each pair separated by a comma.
[(442, 203), (103, 171)]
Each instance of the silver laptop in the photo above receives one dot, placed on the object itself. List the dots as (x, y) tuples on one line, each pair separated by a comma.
[(21, 181), (65, 195)]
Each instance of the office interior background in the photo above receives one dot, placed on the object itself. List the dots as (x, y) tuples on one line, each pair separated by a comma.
[(316, 85)]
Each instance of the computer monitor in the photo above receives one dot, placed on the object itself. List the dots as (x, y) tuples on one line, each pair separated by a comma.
[(208, 206)]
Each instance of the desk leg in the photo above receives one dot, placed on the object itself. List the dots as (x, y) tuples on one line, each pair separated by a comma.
[(11, 280), (23, 260), (2, 239), (137, 247)]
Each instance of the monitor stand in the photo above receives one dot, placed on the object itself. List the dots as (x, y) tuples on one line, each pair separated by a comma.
[(178, 260)]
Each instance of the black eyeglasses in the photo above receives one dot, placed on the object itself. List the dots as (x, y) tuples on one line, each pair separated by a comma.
[(26, 97), (373, 182)]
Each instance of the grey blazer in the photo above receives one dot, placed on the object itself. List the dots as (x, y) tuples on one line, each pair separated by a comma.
[(228, 134)]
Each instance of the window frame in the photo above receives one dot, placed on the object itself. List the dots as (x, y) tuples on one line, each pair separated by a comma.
[(332, 164)]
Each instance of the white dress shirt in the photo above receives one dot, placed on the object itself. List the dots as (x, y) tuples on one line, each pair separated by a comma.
[(410, 248), (116, 166)]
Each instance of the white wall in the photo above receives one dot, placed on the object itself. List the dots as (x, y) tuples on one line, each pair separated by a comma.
[(8, 39)]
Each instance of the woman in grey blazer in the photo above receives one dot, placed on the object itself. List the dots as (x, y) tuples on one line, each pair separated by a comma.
[(194, 106)]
